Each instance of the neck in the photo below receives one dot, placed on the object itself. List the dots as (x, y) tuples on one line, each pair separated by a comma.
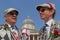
[(12, 24), (46, 20)]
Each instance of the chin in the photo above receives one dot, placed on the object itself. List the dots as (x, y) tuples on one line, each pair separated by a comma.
[(14, 21)]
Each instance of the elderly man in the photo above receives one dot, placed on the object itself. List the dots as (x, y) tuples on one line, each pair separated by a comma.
[(51, 29), (9, 31)]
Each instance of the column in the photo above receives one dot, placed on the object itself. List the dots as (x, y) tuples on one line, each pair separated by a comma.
[(37, 37), (33, 37), (29, 38)]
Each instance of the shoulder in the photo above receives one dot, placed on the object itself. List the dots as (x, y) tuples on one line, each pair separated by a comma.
[(1, 26), (55, 24), (57, 21), (2, 30)]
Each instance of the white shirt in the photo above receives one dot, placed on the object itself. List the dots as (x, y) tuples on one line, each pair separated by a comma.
[(49, 22), (48, 28)]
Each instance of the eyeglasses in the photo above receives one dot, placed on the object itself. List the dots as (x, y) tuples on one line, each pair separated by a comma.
[(43, 9)]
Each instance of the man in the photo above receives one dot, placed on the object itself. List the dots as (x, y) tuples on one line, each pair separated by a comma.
[(47, 13), (9, 31)]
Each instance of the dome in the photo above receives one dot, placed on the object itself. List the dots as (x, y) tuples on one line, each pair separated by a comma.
[(28, 21)]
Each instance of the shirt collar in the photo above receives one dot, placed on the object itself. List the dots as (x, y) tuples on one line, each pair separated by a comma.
[(49, 22)]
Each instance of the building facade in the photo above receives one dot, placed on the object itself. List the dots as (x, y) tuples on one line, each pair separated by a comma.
[(28, 23)]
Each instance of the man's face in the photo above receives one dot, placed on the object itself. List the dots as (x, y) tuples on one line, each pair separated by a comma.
[(45, 13), (11, 17)]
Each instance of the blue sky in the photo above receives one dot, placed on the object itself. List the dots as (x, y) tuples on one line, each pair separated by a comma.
[(27, 8)]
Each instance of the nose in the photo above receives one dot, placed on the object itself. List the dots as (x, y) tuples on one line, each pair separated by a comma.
[(14, 15)]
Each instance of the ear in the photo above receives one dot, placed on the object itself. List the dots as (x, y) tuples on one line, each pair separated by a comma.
[(52, 11), (5, 17)]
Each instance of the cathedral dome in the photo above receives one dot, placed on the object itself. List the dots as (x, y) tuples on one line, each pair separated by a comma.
[(28, 23)]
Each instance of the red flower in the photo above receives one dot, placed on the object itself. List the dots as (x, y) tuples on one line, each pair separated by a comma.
[(5, 25), (56, 32)]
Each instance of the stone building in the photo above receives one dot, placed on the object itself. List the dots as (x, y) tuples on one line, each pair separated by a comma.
[(34, 33)]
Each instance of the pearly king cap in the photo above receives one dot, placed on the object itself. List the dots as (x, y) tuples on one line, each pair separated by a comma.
[(9, 10), (48, 5)]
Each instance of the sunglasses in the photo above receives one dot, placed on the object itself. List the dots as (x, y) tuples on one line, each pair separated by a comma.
[(11, 13), (43, 9)]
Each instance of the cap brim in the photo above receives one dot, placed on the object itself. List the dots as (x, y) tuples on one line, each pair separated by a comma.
[(38, 8)]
